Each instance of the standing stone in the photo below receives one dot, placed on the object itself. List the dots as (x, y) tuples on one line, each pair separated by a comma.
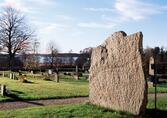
[(117, 79)]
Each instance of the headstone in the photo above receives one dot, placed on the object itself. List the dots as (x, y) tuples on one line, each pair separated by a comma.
[(11, 75), (50, 71), (117, 79), (56, 77), (151, 68), (76, 69), (151, 71), (3, 90), (76, 77), (3, 74), (32, 72)]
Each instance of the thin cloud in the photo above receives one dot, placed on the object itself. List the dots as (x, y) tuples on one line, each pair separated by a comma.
[(97, 25), (137, 10), (28, 6), (64, 17), (50, 28), (99, 9), (42, 2), (17, 4)]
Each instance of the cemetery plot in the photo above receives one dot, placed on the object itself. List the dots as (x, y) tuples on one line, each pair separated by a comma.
[(37, 88)]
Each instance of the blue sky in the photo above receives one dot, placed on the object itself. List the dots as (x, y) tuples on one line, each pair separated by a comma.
[(77, 24)]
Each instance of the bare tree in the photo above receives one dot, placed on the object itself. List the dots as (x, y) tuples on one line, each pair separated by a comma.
[(35, 46), (15, 35), (52, 56), (30, 57)]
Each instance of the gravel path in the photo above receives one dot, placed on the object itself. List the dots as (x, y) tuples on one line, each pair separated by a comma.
[(24, 104)]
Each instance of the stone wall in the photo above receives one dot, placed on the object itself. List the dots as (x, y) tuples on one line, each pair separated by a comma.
[(117, 78)]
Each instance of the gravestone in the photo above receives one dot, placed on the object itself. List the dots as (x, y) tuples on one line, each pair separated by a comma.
[(14, 76), (50, 71), (117, 79), (76, 77), (32, 72), (76, 69), (151, 69), (3, 74), (56, 77), (11, 75), (3, 90)]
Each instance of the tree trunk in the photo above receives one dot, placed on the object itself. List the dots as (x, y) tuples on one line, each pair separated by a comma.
[(11, 61)]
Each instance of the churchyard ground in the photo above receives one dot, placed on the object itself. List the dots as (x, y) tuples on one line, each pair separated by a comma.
[(68, 87), (37, 88), (84, 110)]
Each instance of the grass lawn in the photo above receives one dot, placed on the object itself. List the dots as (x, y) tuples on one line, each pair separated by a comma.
[(38, 88), (63, 111), (161, 88), (68, 87), (83, 110), (161, 103)]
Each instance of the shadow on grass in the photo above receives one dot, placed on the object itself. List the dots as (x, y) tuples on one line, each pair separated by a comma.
[(15, 97), (152, 113), (17, 92), (29, 82)]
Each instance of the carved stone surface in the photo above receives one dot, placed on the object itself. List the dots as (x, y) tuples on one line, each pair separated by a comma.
[(117, 79)]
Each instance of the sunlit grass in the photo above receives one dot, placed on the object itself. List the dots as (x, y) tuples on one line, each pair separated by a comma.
[(38, 88), (83, 110), (161, 88)]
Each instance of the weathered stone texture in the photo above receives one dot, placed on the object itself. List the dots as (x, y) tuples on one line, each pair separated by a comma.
[(117, 78)]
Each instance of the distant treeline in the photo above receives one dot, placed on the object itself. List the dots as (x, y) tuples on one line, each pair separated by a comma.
[(61, 61)]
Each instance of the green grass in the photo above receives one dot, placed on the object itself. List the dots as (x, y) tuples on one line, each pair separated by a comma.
[(83, 110), (63, 111), (67, 87), (161, 103), (161, 88), (38, 88)]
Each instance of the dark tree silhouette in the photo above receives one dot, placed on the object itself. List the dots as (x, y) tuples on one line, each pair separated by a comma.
[(15, 34)]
